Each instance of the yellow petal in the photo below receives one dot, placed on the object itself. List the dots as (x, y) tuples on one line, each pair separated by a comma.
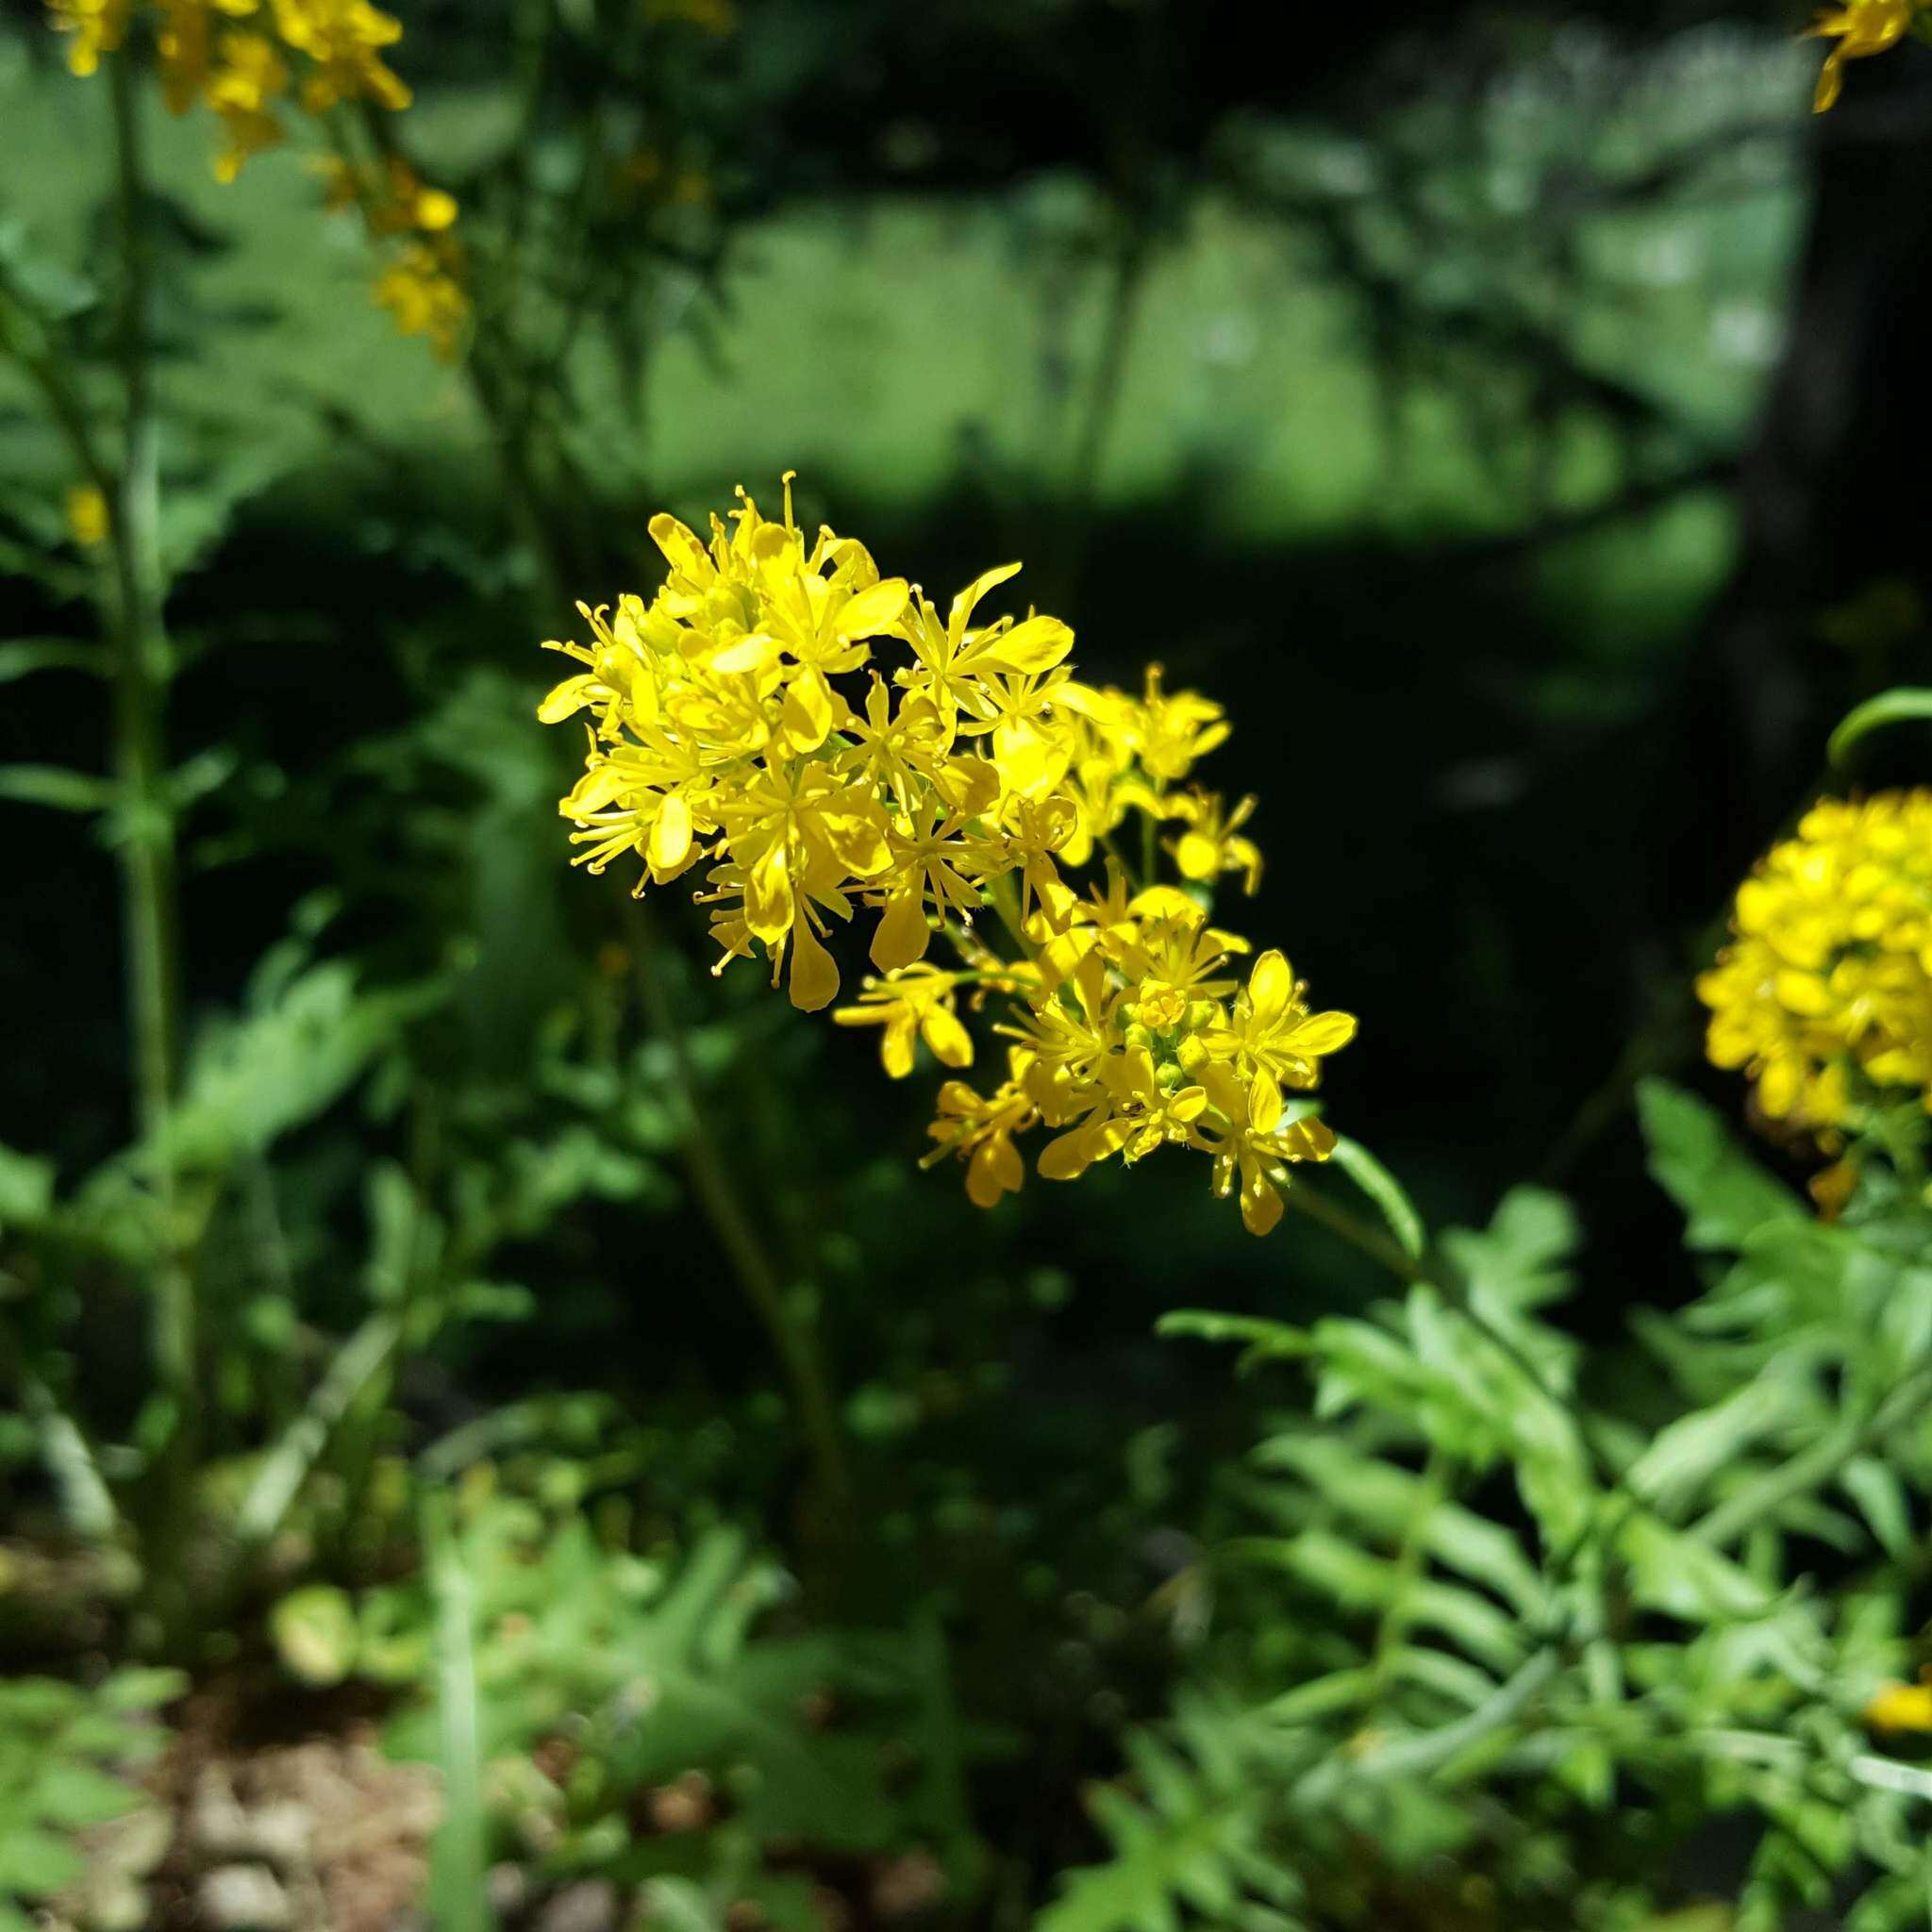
[(1270, 986), (901, 934), (962, 614), (670, 843), (683, 550), (1264, 1103), (1038, 644), (1260, 1204), (768, 908), (1198, 857), (874, 610), (565, 698), (995, 1169), (814, 972), (1066, 1157), (895, 1045), (952, 1045), (808, 714), (1322, 1033)]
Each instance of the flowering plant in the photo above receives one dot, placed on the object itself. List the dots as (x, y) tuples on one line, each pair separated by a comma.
[(823, 740)]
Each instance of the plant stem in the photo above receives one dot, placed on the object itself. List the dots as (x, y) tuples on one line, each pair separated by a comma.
[(751, 1261), (146, 844)]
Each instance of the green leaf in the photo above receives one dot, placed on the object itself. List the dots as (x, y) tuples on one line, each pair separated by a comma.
[(1385, 1190), (57, 788), (255, 1078), (1725, 1197), (1685, 1577), (1875, 1488), (460, 1854), (20, 656), (141, 1690), (1903, 703), (26, 1189), (75, 1795), (34, 1863)]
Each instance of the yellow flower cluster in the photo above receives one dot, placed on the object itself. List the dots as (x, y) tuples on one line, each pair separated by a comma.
[(823, 739), (422, 286), (1861, 28), (1824, 994), (233, 56), (240, 59)]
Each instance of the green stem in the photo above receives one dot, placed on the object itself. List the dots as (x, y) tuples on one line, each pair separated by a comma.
[(751, 1261), (146, 847)]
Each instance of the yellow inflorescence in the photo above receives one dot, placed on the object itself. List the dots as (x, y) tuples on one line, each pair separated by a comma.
[(823, 739), (1825, 994), (244, 60), (1859, 27), (89, 519)]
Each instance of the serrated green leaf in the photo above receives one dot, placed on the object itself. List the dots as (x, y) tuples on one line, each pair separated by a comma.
[(1724, 1194)]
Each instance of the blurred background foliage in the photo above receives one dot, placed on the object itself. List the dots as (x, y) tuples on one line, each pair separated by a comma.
[(1490, 406)]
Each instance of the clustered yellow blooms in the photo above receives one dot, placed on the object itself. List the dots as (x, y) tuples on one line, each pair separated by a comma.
[(242, 59), (823, 740), (1824, 996), (1861, 27), (422, 286)]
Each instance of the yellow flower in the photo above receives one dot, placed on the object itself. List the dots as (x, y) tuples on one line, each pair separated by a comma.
[(818, 739), (916, 1003), (1900, 1707), (343, 41), (1861, 28), (980, 1129), (1275, 1039), (184, 42), (96, 27), (89, 519), (1824, 996), (393, 198), (249, 77), (420, 290), (1212, 843)]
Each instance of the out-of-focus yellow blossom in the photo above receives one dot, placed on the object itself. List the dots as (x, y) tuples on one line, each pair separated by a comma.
[(336, 48), (423, 284), (419, 288), (824, 743), (95, 28), (1824, 996), (1900, 1707), (248, 79), (185, 42), (1861, 28), (392, 197), (343, 41), (89, 519)]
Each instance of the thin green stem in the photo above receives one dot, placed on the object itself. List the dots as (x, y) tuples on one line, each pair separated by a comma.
[(758, 1275), (146, 844)]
